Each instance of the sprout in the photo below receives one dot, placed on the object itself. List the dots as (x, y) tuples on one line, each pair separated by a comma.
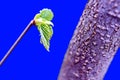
[(43, 22), (44, 25)]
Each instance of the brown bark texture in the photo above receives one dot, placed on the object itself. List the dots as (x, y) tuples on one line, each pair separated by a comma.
[(94, 42)]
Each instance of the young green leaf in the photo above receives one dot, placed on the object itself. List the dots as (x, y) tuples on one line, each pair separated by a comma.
[(46, 33), (44, 25)]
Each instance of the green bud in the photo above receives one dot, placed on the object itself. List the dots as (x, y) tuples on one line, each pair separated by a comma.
[(46, 14)]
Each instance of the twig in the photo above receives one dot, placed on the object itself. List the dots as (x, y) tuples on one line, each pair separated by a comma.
[(16, 42), (41, 20)]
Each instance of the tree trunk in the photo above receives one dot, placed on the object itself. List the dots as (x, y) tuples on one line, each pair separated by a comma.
[(94, 42)]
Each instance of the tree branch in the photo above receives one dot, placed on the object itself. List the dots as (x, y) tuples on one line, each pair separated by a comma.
[(94, 42)]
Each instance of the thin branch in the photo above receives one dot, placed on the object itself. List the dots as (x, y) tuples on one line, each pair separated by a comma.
[(16, 42)]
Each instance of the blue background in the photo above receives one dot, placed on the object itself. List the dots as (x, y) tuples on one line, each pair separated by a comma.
[(29, 60)]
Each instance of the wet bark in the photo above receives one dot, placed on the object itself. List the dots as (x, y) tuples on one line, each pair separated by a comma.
[(94, 42)]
